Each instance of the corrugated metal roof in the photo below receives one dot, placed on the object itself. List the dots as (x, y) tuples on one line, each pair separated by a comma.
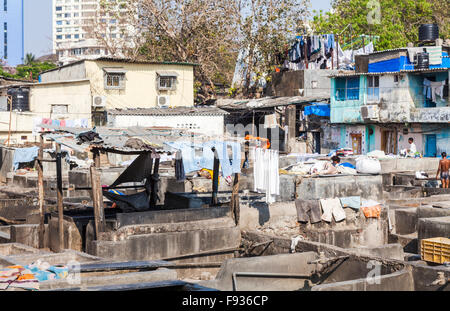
[(267, 102), (115, 139), (122, 60), (169, 111)]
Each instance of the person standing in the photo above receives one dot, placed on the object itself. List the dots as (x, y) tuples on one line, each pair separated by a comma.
[(412, 147), (444, 167)]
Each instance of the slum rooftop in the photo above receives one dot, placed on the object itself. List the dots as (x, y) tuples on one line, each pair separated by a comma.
[(124, 60), (267, 102), (116, 139)]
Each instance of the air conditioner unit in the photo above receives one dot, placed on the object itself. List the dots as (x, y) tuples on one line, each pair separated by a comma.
[(98, 101), (163, 101), (370, 112)]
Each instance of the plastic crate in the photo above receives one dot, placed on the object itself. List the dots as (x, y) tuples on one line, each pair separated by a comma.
[(435, 250)]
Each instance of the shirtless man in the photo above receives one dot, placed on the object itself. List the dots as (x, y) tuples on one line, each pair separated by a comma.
[(444, 166)]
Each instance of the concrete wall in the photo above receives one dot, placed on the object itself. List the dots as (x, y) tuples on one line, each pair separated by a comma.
[(76, 96), (397, 281), (73, 72), (141, 90), (167, 245), (283, 263), (366, 186)]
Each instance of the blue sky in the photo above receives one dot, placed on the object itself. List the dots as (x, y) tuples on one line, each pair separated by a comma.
[(317, 5)]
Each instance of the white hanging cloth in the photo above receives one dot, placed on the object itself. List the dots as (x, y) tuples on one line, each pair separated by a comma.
[(265, 173)]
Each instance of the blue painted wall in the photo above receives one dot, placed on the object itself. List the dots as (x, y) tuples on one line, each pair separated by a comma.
[(442, 136), (403, 63), (347, 111), (13, 16)]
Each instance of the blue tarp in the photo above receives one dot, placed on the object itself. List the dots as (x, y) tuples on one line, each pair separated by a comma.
[(318, 109), (24, 155)]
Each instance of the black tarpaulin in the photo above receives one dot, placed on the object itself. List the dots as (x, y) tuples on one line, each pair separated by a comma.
[(140, 169), (130, 203)]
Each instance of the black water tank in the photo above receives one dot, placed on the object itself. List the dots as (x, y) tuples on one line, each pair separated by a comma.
[(20, 99), (423, 61), (428, 32)]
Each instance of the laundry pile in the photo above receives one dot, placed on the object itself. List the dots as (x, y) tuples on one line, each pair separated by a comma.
[(315, 211), (28, 277), (314, 167)]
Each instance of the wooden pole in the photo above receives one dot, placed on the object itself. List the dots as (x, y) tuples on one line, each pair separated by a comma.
[(96, 154), (97, 198), (235, 207), (59, 197), (41, 193), (154, 182), (215, 185)]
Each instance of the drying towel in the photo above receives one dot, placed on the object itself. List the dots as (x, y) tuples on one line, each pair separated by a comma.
[(332, 207), (308, 210), (24, 155), (371, 209), (435, 54), (352, 202)]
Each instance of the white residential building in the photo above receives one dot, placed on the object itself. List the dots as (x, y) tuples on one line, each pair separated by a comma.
[(74, 24)]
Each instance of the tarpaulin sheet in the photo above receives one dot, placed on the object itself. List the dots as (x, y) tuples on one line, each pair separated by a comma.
[(140, 169), (318, 109), (130, 203), (24, 155)]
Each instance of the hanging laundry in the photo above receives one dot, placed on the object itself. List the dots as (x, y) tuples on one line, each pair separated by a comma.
[(24, 155), (431, 89), (308, 211), (371, 209), (265, 173), (332, 207), (270, 121), (352, 202)]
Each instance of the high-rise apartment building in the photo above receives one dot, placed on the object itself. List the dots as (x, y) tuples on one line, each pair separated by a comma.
[(25, 27), (12, 49), (83, 29)]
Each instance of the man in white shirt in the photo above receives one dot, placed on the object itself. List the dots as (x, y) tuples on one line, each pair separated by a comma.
[(412, 147)]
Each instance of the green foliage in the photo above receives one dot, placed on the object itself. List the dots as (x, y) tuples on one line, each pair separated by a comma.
[(399, 20), (23, 71)]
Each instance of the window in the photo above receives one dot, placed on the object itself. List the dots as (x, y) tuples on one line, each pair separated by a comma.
[(59, 8), (347, 89), (58, 37), (114, 78), (68, 37), (59, 109), (76, 36), (373, 88), (5, 5), (58, 22), (166, 80)]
